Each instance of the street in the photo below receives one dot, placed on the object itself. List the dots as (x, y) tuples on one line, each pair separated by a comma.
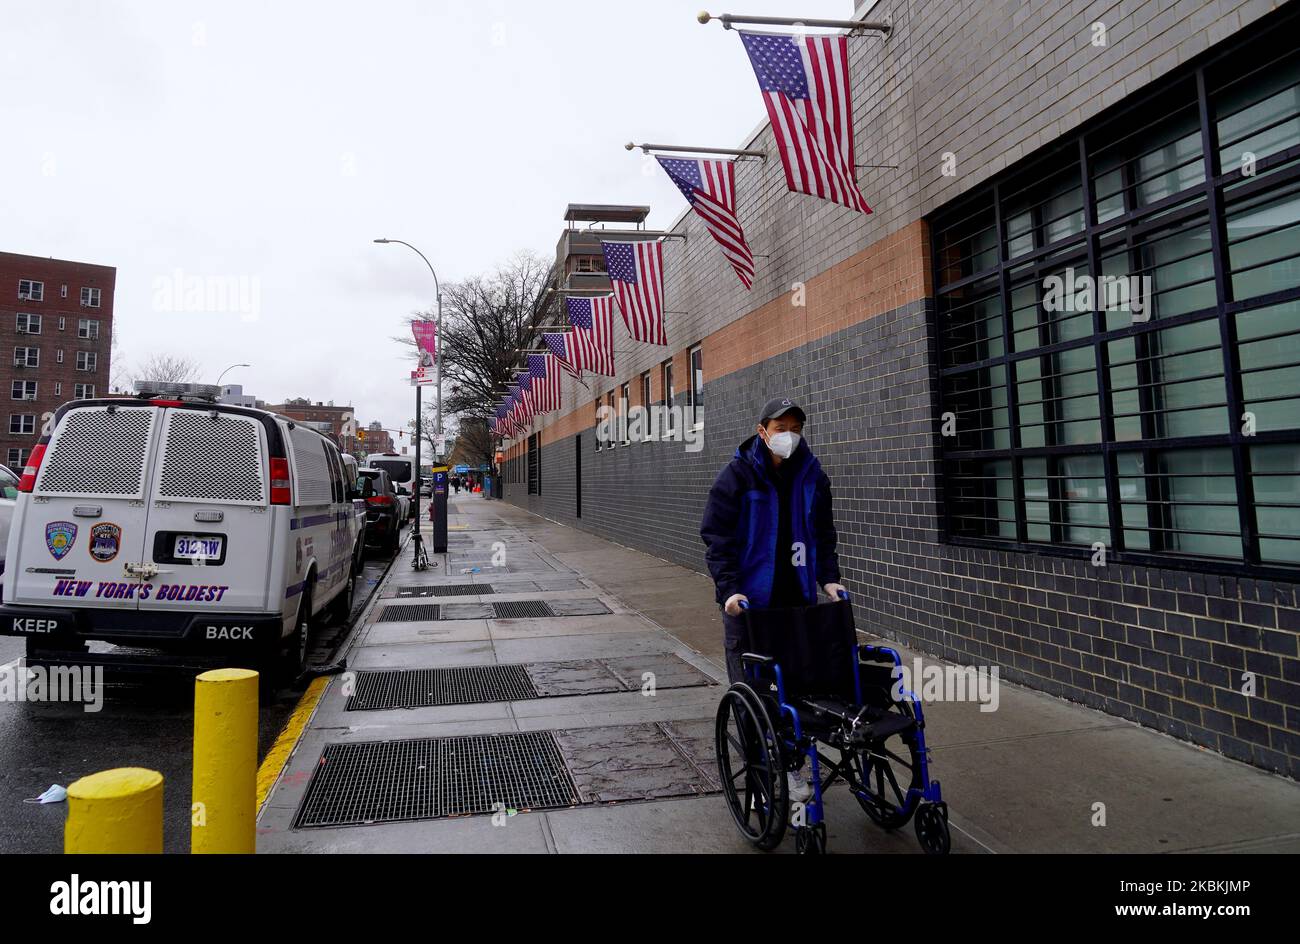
[(146, 724)]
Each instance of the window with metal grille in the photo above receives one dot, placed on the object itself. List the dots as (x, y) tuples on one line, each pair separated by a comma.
[(1119, 329), (311, 478), (98, 451), (534, 467), (212, 457)]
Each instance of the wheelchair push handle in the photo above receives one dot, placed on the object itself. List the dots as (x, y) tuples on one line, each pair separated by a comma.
[(743, 604)]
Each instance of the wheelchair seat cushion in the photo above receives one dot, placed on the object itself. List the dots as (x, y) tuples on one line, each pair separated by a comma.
[(812, 644)]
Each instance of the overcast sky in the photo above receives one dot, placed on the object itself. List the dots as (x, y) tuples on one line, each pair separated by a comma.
[(264, 145)]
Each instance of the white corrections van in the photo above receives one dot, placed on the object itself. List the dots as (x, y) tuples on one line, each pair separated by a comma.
[(184, 525)]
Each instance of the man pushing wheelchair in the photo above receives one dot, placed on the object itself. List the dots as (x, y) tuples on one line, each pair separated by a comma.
[(799, 678)]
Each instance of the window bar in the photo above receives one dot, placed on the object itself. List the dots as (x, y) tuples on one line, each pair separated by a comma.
[(1008, 371), (1109, 465), (1227, 327)]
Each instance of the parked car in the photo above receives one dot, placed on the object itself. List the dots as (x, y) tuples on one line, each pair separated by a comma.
[(383, 509), (401, 469), (184, 525)]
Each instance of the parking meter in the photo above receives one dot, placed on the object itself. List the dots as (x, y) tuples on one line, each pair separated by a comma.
[(439, 501)]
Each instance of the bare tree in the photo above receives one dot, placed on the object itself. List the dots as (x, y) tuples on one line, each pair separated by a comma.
[(486, 321), (169, 368), (474, 444)]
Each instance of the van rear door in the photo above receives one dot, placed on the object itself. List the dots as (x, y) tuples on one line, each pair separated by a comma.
[(210, 527), (86, 515)]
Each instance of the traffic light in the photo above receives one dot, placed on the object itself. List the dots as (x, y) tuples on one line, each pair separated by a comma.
[(361, 435)]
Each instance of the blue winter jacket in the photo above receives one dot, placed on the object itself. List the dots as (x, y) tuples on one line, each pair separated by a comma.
[(742, 517)]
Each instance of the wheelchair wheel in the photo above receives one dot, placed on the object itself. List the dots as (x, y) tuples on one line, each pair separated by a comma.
[(888, 771), (751, 767), (932, 829)]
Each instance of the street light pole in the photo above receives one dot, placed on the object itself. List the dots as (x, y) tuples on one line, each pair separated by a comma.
[(437, 419), (228, 370)]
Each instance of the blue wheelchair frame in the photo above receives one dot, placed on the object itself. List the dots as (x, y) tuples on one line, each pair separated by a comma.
[(753, 670)]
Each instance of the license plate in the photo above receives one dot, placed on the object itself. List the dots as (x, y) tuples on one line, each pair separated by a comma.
[(192, 547)]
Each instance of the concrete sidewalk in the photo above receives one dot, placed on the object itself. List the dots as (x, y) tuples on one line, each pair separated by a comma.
[(1027, 777)]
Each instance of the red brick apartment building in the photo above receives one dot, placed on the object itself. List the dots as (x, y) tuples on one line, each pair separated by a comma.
[(56, 322)]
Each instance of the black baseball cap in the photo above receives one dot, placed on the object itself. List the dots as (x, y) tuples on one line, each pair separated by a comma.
[(780, 407)]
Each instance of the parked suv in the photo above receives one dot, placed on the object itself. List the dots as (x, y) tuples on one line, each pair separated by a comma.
[(182, 525), (383, 509)]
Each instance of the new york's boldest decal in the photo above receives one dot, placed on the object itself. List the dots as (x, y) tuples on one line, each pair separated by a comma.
[(105, 541), (59, 538)]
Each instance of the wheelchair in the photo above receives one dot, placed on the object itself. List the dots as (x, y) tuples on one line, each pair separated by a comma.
[(809, 685)]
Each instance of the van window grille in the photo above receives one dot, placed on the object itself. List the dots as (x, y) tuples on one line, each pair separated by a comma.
[(311, 475), (208, 458), (95, 452)]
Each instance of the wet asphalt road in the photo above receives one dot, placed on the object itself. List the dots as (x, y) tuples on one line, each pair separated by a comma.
[(140, 725)]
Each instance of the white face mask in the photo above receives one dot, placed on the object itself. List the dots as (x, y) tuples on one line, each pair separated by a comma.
[(783, 444)]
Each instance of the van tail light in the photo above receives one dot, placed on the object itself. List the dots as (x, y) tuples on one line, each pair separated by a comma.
[(28, 480), (380, 499), (280, 482)]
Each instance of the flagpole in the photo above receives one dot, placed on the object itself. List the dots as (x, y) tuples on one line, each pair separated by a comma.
[(691, 149), (853, 26)]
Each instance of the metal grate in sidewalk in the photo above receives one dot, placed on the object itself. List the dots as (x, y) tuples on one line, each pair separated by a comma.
[(429, 778), (428, 688), (409, 613), (522, 609), (447, 590)]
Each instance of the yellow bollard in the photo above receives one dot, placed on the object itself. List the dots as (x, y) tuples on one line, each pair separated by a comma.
[(115, 811), (223, 818)]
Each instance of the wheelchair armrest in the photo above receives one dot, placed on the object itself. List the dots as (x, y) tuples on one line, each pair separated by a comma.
[(756, 659)]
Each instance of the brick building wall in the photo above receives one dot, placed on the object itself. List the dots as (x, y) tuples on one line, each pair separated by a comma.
[(989, 84), (62, 320)]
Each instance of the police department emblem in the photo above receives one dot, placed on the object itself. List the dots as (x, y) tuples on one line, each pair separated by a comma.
[(105, 541), (59, 537)]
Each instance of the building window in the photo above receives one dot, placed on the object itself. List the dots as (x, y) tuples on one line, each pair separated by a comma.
[(600, 442), (1119, 330), (666, 375), (25, 323), (61, 319), (23, 390), (22, 423), (31, 291), (534, 467), (589, 264), (612, 407), (17, 459), (90, 297), (58, 356), (58, 388), (86, 360), (646, 400), (83, 391), (696, 404), (27, 357), (88, 328), (625, 401)]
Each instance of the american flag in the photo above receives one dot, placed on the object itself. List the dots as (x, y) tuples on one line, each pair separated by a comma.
[(593, 335), (562, 346), (805, 84), (710, 187), (637, 271), (545, 377)]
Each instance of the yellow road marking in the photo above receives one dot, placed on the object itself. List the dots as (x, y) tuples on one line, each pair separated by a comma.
[(269, 771)]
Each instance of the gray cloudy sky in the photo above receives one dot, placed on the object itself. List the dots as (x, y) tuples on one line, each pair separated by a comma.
[(271, 142)]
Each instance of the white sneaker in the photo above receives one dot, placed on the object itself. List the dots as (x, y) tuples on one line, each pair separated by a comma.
[(800, 789)]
